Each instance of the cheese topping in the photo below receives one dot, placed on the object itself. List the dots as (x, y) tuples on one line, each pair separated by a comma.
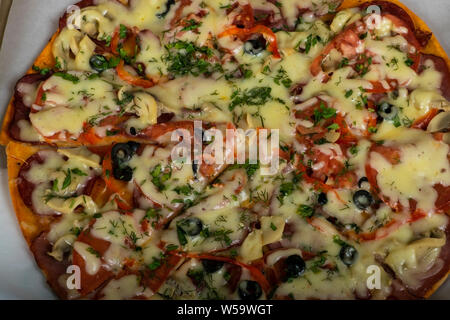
[(413, 177), (361, 184)]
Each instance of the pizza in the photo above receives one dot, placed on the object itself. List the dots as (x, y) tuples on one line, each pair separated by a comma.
[(356, 92)]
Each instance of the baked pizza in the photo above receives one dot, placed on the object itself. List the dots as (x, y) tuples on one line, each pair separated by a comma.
[(356, 92)]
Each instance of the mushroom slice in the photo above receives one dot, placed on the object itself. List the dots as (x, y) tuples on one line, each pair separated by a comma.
[(440, 123), (63, 245), (146, 108), (83, 155), (416, 259), (67, 206), (332, 136), (252, 247)]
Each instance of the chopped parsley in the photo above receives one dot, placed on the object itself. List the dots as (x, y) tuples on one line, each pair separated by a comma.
[(249, 168), (68, 77), (283, 78), (256, 96), (123, 32), (159, 177), (409, 62), (323, 113), (311, 41), (305, 211), (191, 25), (43, 71), (67, 180), (184, 58), (333, 126), (93, 251), (78, 172), (286, 189)]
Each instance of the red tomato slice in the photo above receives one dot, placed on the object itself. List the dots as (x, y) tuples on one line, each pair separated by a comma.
[(378, 87), (346, 42), (392, 155), (327, 165)]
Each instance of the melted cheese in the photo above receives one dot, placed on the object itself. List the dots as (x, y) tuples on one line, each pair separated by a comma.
[(181, 175), (68, 105), (242, 212), (93, 263)]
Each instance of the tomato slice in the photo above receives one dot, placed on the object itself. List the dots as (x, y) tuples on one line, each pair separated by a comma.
[(392, 155), (390, 227), (99, 192)]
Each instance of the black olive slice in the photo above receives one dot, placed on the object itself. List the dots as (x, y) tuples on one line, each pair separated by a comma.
[(122, 152), (99, 63), (348, 254), (123, 173), (255, 46), (361, 181), (249, 290), (295, 266), (212, 266), (191, 226), (322, 199), (362, 199), (387, 111)]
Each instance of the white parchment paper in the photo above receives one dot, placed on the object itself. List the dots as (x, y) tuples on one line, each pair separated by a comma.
[(30, 25)]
